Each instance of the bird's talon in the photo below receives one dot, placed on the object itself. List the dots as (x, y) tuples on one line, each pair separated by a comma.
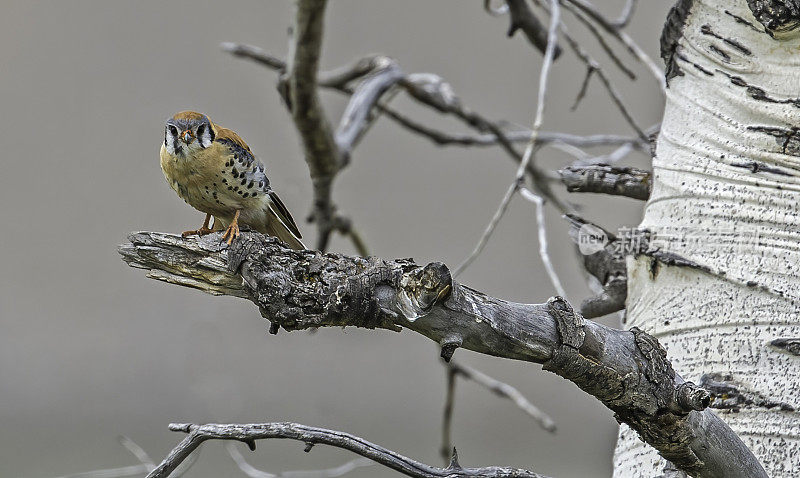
[(203, 231), (231, 233)]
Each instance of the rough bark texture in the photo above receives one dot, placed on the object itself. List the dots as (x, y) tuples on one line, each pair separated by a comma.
[(605, 179), (302, 95), (626, 370), (726, 200)]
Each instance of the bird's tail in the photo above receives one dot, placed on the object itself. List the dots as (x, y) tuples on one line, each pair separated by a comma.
[(274, 227), (279, 223)]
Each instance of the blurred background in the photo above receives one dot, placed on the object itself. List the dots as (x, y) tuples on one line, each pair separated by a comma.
[(90, 349)]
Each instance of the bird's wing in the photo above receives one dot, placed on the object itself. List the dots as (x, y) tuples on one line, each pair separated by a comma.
[(245, 165), (253, 170)]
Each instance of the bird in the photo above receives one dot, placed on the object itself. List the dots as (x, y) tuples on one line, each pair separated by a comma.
[(213, 170)]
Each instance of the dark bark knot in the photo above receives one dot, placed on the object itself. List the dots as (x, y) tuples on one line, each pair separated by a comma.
[(671, 36), (790, 345), (306, 289), (645, 394), (777, 16), (423, 288)]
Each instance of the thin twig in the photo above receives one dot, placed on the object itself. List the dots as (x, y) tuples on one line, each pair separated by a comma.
[(254, 472), (626, 15), (543, 254), (487, 233), (338, 79), (121, 472), (137, 451), (616, 31), (249, 433), (433, 91), (603, 44), (345, 227), (506, 391), (612, 91), (146, 466), (544, 75), (590, 69), (446, 450)]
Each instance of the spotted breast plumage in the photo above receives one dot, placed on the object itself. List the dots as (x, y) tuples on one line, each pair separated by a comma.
[(214, 171)]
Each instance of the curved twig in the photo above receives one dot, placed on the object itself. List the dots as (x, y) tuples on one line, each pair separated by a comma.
[(249, 433)]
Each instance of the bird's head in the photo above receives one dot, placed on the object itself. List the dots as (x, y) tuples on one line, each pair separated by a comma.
[(187, 132)]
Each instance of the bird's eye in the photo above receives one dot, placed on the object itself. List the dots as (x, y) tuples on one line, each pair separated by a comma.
[(172, 130), (200, 130)]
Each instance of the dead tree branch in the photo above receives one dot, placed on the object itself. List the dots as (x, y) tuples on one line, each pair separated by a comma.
[(432, 91), (504, 390), (603, 259), (615, 29), (355, 119), (604, 179), (249, 433), (626, 370), (321, 153), (339, 79)]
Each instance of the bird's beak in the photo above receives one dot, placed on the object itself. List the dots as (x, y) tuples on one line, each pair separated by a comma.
[(187, 136)]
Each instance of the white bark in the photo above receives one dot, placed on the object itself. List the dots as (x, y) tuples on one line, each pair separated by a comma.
[(726, 197)]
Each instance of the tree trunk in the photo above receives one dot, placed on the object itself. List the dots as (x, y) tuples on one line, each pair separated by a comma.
[(726, 206)]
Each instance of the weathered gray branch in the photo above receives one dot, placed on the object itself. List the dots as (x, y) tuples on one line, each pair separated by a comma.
[(249, 433), (356, 117), (321, 153), (339, 79), (602, 178), (603, 256), (431, 90), (626, 370)]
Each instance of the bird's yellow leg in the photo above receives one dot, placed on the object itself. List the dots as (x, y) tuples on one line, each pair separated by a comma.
[(232, 231), (204, 229)]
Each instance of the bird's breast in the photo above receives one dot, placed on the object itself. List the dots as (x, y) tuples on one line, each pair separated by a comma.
[(198, 180)]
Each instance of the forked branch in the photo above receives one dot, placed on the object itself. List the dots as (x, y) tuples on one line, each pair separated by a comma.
[(626, 370)]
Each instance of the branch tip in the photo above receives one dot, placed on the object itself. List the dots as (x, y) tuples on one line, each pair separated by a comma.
[(449, 346), (454, 465), (691, 397), (181, 427)]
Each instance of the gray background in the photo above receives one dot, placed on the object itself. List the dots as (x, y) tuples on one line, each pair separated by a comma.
[(90, 349)]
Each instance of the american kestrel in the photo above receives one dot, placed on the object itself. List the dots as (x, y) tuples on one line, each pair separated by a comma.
[(214, 171)]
